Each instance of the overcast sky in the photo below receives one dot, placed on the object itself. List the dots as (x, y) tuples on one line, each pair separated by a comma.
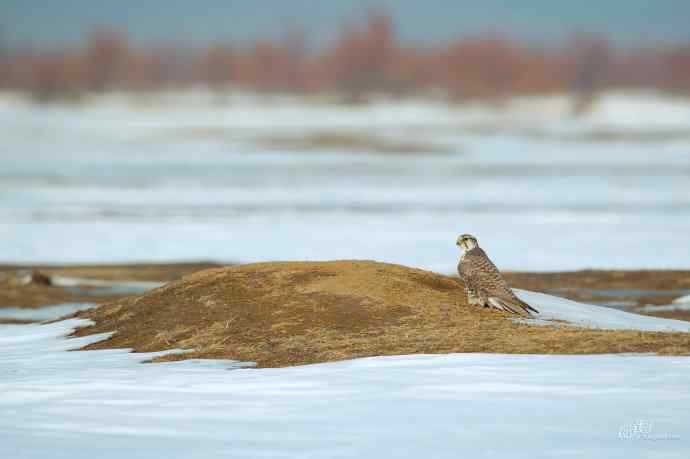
[(64, 22)]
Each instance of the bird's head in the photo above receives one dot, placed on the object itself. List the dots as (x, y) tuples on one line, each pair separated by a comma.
[(467, 242)]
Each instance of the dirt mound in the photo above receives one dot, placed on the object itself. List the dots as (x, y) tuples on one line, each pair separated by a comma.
[(279, 314)]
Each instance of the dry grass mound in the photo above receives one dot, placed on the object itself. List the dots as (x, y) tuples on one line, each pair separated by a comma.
[(280, 314)]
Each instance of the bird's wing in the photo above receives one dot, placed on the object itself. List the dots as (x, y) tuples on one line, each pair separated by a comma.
[(477, 268), (480, 272), (514, 305), (465, 274)]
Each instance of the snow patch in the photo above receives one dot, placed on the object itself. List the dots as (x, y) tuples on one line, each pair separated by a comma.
[(149, 181), (590, 316), (665, 307), (682, 300), (43, 313), (106, 404), (68, 281)]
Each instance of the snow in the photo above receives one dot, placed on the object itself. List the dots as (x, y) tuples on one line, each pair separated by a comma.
[(43, 313), (105, 404), (665, 307), (652, 111), (97, 287), (681, 303), (590, 316), (70, 281), (682, 300), (178, 178)]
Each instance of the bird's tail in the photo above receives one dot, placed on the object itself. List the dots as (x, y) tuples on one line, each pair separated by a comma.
[(513, 305)]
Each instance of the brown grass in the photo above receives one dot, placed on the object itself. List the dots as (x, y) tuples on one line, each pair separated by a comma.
[(14, 321), (354, 142), (600, 279), (583, 285), (290, 313), (36, 295), (121, 272)]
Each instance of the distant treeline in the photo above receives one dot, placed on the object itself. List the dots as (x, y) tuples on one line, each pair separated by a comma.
[(365, 58)]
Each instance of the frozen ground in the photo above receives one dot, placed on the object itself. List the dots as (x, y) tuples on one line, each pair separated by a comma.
[(105, 404), (177, 177)]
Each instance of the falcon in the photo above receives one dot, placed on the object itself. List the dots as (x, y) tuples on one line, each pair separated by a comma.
[(484, 284)]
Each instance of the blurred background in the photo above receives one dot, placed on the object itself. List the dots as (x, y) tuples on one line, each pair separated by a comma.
[(231, 131)]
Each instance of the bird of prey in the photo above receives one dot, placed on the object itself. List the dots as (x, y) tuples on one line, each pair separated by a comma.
[(484, 284)]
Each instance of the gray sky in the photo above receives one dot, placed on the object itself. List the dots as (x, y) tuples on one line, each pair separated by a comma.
[(64, 22)]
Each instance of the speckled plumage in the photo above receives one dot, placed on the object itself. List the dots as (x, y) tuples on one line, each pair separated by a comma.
[(485, 284)]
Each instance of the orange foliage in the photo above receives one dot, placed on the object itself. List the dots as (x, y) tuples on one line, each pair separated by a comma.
[(364, 58)]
